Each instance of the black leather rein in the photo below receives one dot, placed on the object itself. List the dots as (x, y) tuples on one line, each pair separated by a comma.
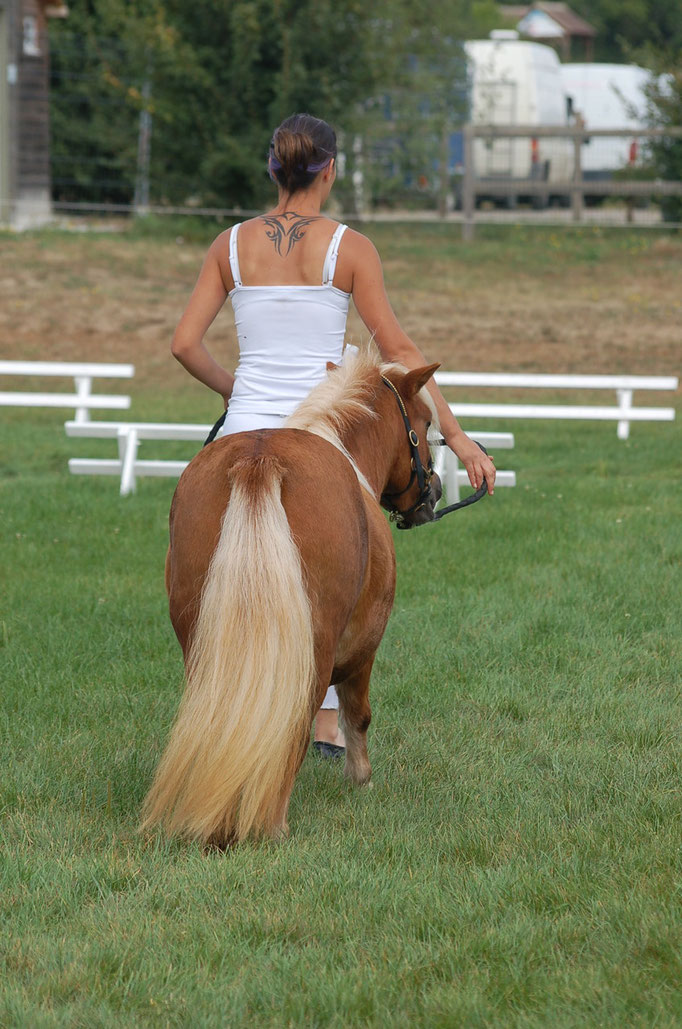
[(214, 431), (478, 495)]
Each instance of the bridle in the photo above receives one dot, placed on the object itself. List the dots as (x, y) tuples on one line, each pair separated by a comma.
[(421, 474)]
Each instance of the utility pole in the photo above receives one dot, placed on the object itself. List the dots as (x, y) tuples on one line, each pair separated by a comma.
[(144, 150), (468, 184)]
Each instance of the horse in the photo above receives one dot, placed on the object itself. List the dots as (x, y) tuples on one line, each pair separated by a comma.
[(281, 577)]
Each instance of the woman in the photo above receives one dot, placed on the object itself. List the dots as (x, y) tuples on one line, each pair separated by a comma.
[(290, 274)]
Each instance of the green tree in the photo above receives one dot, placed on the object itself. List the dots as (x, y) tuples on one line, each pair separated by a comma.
[(110, 61), (664, 96), (217, 77), (282, 56), (428, 98), (625, 25)]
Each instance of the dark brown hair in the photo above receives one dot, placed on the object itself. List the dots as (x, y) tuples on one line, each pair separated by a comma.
[(301, 147)]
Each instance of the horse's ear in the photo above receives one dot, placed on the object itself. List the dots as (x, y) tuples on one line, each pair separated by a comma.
[(331, 367), (417, 378)]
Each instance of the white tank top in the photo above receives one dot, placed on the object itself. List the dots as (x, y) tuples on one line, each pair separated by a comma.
[(286, 336)]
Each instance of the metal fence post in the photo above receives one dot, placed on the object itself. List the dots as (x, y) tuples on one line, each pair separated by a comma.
[(577, 191), (144, 148), (444, 186), (468, 184)]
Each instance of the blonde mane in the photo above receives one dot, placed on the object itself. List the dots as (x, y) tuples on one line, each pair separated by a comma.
[(342, 400)]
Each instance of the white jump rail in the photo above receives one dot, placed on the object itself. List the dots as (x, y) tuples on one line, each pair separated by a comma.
[(624, 386), (83, 400), (130, 434)]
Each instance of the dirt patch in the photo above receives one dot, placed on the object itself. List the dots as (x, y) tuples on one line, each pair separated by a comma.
[(116, 298)]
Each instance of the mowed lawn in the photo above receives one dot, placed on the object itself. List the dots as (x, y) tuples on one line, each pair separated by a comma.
[(517, 859)]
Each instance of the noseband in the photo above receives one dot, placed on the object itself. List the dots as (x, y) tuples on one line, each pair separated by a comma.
[(422, 475)]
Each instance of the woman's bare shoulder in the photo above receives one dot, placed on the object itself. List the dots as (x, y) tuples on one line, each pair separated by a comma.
[(221, 244), (218, 257), (359, 245), (359, 264), (222, 240), (360, 257)]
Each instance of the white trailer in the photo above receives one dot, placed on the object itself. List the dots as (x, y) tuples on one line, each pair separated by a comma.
[(514, 82), (607, 96)]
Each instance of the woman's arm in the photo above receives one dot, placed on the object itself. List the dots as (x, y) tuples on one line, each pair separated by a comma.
[(373, 306), (207, 298)]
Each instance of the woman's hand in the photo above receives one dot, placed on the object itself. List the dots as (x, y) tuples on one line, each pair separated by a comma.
[(479, 466)]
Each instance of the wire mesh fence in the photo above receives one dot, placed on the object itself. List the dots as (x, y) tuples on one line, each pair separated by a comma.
[(522, 175), (115, 149)]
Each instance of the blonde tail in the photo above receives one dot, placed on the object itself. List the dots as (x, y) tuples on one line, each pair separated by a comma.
[(243, 722)]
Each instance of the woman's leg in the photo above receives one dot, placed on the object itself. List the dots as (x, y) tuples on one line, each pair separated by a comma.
[(327, 721)]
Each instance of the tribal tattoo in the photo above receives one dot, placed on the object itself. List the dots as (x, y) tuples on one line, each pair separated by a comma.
[(289, 227)]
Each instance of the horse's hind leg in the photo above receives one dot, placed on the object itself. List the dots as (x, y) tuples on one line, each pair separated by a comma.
[(356, 715), (279, 828)]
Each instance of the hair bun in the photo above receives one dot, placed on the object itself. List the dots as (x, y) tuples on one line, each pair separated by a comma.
[(300, 148), (293, 150)]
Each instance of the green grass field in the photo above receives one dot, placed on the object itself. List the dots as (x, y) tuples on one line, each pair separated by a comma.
[(516, 862)]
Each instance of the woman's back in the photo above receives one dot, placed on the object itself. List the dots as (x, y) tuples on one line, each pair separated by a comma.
[(289, 315), (285, 249)]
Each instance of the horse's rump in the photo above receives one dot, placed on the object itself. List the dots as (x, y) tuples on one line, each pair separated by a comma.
[(321, 497)]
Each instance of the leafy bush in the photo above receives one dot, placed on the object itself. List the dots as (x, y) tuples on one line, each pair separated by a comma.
[(664, 95)]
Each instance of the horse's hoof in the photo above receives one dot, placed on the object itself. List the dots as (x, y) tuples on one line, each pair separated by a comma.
[(358, 776), (279, 834), (219, 843)]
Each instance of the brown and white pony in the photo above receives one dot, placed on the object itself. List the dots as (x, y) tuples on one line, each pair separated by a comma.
[(281, 578)]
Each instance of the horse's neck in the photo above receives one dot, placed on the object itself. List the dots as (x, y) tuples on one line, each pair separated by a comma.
[(373, 450)]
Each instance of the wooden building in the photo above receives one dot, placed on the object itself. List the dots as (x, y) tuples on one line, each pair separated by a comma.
[(555, 24), (25, 112)]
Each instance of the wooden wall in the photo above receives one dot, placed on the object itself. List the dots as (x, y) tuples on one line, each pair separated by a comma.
[(34, 111), (25, 132)]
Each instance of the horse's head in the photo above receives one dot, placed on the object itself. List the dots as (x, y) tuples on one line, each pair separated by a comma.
[(413, 488)]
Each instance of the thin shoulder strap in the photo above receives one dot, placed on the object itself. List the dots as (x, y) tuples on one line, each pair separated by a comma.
[(332, 255), (234, 257)]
